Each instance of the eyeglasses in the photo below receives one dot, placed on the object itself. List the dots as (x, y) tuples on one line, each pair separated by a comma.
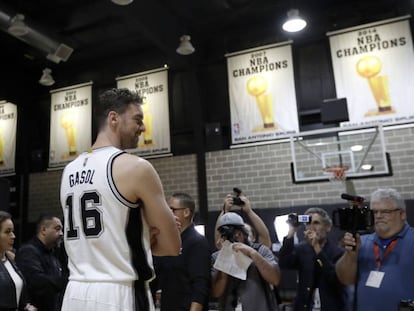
[(177, 209), (385, 211)]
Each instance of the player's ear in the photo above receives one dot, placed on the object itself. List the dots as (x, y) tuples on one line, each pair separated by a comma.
[(113, 118)]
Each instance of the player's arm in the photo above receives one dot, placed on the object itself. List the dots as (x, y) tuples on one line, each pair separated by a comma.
[(137, 180)]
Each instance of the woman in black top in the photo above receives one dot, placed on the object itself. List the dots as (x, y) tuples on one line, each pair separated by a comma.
[(12, 287)]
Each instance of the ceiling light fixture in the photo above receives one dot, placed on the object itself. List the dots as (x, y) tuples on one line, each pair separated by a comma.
[(17, 26), (185, 47), (122, 2), (294, 22), (46, 79)]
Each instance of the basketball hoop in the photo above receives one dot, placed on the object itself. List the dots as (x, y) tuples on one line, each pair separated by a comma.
[(336, 173)]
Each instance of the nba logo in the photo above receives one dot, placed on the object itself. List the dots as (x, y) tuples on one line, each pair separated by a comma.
[(236, 128)]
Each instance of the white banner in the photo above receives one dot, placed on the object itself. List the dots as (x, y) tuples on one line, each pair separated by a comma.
[(153, 87), (373, 66), (70, 123), (8, 128), (262, 94)]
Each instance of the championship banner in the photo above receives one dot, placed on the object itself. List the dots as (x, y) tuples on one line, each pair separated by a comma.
[(8, 128), (152, 86), (373, 67), (262, 93), (70, 123)]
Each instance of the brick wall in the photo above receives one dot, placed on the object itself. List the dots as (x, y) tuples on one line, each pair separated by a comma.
[(263, 172), (176, 173)]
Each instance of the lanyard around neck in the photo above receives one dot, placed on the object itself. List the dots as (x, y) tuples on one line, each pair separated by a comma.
[(388, 250)]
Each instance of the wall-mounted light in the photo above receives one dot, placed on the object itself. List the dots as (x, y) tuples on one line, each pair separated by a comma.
[(294, 21), (17, 26), (185, 47), (46, 79)]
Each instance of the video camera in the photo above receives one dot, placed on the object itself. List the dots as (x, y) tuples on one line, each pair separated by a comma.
[(295, 220), (236, 197), (356, 218)]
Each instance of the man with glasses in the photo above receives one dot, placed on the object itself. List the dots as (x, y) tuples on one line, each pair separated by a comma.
[(314, 258), (185, 280), (381, 263)]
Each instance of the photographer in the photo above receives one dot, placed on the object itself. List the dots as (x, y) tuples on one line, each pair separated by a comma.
[(381, 263), (258, 231), (314, 258), (255, 292)]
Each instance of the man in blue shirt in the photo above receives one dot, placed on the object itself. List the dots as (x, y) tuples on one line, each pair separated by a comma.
[(381, 264)]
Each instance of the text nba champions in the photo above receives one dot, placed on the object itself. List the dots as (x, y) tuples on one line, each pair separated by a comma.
[(71, 100), (81, 177), (259, 62), (369, 40)]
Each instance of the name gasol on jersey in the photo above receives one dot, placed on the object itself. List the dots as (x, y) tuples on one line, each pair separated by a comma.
[(82, 177)]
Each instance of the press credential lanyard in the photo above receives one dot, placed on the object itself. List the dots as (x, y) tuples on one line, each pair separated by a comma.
[(388, 250), (375, 277)]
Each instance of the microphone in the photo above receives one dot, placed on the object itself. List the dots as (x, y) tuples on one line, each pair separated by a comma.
[(353, 198)]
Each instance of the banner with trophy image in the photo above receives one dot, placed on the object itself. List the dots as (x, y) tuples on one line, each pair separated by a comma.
[(152, 86), (373, 65), (262, 94), (70, 123), (8, 129)]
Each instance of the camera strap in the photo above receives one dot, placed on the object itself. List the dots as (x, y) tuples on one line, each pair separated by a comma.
[(388, 250)]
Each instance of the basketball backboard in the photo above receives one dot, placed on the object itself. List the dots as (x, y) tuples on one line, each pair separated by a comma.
[(359, 152)]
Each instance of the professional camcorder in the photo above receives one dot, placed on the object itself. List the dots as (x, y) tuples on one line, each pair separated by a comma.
[(295, 220), (236, 197), (358, 217)]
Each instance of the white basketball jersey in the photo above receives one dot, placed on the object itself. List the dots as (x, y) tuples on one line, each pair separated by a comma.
[(105, 235)]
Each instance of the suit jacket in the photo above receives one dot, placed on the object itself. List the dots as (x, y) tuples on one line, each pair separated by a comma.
[(43, 274), (315, 271), (8, 290)]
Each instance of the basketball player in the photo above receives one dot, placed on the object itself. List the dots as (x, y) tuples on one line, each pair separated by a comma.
[(115, 214)]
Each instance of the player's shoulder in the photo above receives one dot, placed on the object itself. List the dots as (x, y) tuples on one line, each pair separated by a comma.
[(132, 164)]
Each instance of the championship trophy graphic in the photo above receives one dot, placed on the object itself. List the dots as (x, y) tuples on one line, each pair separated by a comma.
[(67, 122), (369, 67), (257, 87), (1, 147), (148, 141)]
